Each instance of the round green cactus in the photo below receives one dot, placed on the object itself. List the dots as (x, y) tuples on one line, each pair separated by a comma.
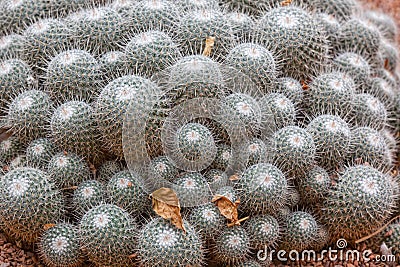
[(29, 201), (354, 65), (293, 149), (108, 234), (368, 145), (67, 170), (369, 111), (113, 64), (74, 128), (155, 14), (359, 203), (295, 35), (163, 167), (256, 151), (73, 74), (338, 87), (291, 88), (124, 190), (242, 25), (232, 246), (59, 246), (161, 243), (15, 76), (264, 231), (229, 192), (331, 135), (216, 178), (255, 61), (100, 29), (150, 52), (300, 231), (87, 195), (207, 219), (385, 23), (314, 185), (10, 148), (223, 157), (12, 46), (39, 153), (263, 188), (107, 169), (190, 188), (112, 104), (28, 114), (278, 110), (196, 26)]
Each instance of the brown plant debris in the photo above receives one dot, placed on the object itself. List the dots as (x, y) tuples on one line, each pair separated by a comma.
[(165, 203)]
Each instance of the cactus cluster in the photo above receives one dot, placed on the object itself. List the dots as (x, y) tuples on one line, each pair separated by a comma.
[(287, 112)]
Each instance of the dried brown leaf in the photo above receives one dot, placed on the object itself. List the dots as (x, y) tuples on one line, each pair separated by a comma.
[(234, 177), (210, 41), (228, 209), (165, 203)]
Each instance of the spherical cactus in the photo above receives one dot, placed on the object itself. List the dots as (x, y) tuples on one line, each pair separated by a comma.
[(300, 230), (291, 88), (354, 65), (391, 237), (107, 170), (29, 201), (390, 55), (73, 74), (44, 39), (59, 246), (256, 150), (113, 65), (314, 185), (278, 110), (338, 87), (381, 89), (100, 29), (39, 153), (198, 4), (28, 114), (369, 111), (108, 234), (194, 76), (223, 157), (340, 9), (68, 170), (207, 219), (331, 135), (229, 192), (195, 27), (73, 128), (10, 148), (15, 76), (368, 145), (264, 231), (294, 34), (247, 108), (195, 142), (385, 24), (216, 178), (255, 61), (360, 37), (293, 198), (263, 189), (114, 101), (242, 25), (330, 24), (87, 195), (11, 46), (161, 243), (252, 8), (163, 168), (293, 149), (155, 14), (16, 15), (125, 191), (232, 246), (191, 187), (150, 52), (359, 203)]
